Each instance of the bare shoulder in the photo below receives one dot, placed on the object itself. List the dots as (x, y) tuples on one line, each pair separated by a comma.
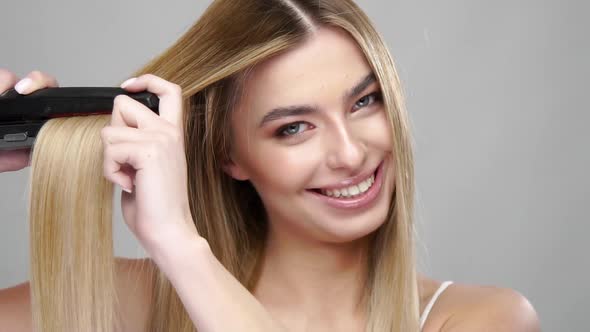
[(464, 307), (133, 288)]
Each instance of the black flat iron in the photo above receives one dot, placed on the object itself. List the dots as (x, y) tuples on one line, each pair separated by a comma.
[(22, 116)]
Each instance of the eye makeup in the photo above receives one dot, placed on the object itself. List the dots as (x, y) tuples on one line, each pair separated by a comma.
[(290, 129)]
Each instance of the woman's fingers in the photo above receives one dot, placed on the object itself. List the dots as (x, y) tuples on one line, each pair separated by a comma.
[(137, 137), (115, 156), (117, 134), (169, 94), (128, 112), (11, 160), (14, 160), (126, 150), (7, 80), (144, 153), (35, 80), (115, 140), (136, 134)]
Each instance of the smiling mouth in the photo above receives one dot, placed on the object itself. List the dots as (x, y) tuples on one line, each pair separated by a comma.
[(349, 192)]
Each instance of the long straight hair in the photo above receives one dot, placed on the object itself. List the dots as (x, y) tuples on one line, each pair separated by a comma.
[(70, 211)]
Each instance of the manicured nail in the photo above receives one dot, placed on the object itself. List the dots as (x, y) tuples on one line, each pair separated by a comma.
[(22, 85), (125, 189), (127, 82)]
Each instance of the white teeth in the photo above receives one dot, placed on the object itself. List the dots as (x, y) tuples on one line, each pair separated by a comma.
[(363, 186), (352, 190)]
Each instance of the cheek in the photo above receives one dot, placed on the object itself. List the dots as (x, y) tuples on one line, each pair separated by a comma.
[(377, 133), (281, 169)]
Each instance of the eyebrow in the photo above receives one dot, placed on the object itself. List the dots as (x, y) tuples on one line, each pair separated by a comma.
[(294, 110)]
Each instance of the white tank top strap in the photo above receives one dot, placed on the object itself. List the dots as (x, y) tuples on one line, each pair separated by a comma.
[(430, 304)]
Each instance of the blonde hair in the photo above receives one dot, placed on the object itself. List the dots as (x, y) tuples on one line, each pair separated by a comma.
[(71, 203)]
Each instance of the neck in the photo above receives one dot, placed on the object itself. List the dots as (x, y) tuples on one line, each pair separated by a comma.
[(322, 281)]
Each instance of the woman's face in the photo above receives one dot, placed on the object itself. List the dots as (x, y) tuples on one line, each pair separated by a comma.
[(312, 127)]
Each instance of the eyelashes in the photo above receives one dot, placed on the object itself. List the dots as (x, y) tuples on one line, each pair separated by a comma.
[(294, 128), (291, 129), (375, 95)]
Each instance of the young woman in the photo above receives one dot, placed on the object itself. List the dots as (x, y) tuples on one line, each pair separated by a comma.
[(274, 192)]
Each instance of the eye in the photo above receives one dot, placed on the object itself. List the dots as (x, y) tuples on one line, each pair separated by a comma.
[(292, 129), (368, 99)]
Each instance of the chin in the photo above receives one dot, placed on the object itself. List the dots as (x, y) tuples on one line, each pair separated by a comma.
[(351, 228)]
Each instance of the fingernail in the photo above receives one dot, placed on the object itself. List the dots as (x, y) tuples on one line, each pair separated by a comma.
[(22, 85), (127, 82), (125, 189)]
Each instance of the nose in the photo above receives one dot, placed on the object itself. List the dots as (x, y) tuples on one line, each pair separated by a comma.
[(346, 149)]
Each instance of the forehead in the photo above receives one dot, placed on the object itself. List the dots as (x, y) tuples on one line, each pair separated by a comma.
[(317, 71)]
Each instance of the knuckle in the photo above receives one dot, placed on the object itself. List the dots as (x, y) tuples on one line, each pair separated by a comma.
[(177, 89), (119, 100), (108, 152), (7, 75), (7, 79), (36, 74), (104, 133), (105, 169), (106, 172), (106, 165)]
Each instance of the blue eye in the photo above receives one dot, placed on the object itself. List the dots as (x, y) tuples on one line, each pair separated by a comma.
[(296, 128), (369, 99), (292, 129)]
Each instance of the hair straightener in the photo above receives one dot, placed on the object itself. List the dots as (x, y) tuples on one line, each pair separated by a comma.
[(22, 116)]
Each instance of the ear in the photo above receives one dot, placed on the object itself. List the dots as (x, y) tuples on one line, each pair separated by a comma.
[(234, 170)]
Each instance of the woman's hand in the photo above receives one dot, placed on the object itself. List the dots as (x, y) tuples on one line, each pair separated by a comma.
[(14, 160), (144, 154)]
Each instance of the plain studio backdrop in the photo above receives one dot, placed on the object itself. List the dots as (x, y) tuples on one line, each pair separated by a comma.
[(496, 92)]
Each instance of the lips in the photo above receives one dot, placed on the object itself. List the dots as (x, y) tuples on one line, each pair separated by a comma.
[(351, 190), (350, 187), (353, 200)]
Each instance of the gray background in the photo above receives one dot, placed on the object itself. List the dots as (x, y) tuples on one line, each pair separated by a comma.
[(495, 94)]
